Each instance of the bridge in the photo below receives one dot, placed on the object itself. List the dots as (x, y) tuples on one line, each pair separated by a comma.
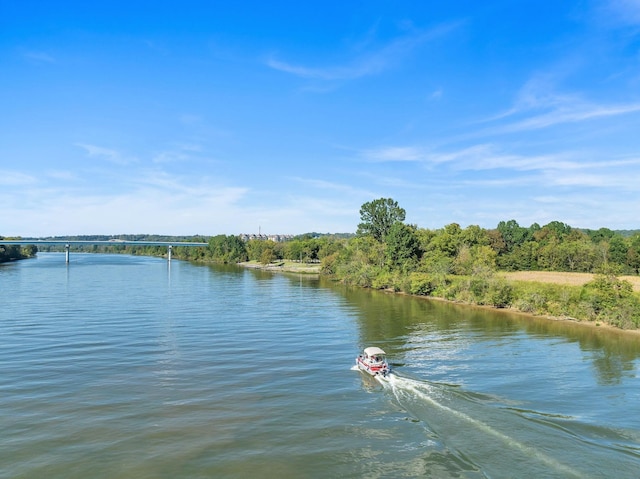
[(67, 244)]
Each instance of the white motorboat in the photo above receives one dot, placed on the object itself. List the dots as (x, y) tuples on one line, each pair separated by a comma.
[(373, 361)]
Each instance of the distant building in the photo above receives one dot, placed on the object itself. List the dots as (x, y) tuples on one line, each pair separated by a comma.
[(261, 237)]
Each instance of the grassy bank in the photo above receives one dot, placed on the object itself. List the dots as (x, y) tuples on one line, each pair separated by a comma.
[(571, 279)]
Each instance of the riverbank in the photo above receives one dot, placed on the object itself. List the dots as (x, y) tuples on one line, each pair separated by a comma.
[(527, 277), (601, 325)]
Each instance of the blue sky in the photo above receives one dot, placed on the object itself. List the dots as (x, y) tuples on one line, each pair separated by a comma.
[(210, 117)]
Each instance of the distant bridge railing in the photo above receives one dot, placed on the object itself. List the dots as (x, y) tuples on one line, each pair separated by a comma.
[(67, 244)]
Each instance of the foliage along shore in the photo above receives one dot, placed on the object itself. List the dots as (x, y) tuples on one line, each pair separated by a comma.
[(467, 265), (13, 252), (548, 298), (463, 265)]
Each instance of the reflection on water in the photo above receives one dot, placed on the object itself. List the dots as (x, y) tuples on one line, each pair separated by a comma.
[(494, 388), (117, 366), (614, 354)]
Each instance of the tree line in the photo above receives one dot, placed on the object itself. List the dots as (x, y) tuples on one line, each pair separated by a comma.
[(385, 243), (308, 248), (13, 252), (462, 264), (455, 263)]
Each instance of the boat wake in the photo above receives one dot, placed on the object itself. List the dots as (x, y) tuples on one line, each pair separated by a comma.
[(441, 408)]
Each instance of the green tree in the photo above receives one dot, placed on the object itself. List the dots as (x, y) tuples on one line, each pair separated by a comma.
[(603, 234), (512, 233), (364, 249), (328, 248), (474, 259), (29, 250), (268, 255), (474, 235), (523, 257), (13, 252), (425, 236), (633, 254), (618, 249), (556, 229), (577, 255), (448, 240), (437, 263), (402, 247), (378, 216), (256, 247), (227, 249), (293, 250), (613, 301), (496, 241), (549, 257)]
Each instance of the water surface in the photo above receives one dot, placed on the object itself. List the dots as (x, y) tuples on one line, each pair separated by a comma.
[(118, 366)]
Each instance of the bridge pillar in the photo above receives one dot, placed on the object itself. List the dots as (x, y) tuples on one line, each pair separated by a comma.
[(66, 252), (169, 253)]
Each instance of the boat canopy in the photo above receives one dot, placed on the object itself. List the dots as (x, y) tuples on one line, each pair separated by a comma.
[(374, 351)]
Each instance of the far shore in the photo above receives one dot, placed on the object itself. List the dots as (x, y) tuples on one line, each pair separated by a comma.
[(574, 279)]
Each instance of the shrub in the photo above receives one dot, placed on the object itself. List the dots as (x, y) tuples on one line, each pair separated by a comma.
[(531, 302), (328, 264), (478, 288), (383, 280), (421, 284), (611, 300), (499, 294)]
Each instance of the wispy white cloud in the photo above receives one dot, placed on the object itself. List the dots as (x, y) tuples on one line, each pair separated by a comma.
[(16, 178), (571, 113), (395, 153), (537, 94), (149, 199), (502, 182), (491, 165), (538, 105), (190, 119), (200, 190), (333, 186), (618, 12), (388, 181), (39, 57), (153, 45), (63, 175), (475, 157), (170, 156), (179, 153), (107, 154), (364, 63), (605, 178), (436, 94), (159, 202), (370, 65)]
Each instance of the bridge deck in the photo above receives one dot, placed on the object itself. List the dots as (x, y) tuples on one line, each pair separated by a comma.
[(67, 244), (102, 243)]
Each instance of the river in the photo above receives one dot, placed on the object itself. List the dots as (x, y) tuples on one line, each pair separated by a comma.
[(118, 366)]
